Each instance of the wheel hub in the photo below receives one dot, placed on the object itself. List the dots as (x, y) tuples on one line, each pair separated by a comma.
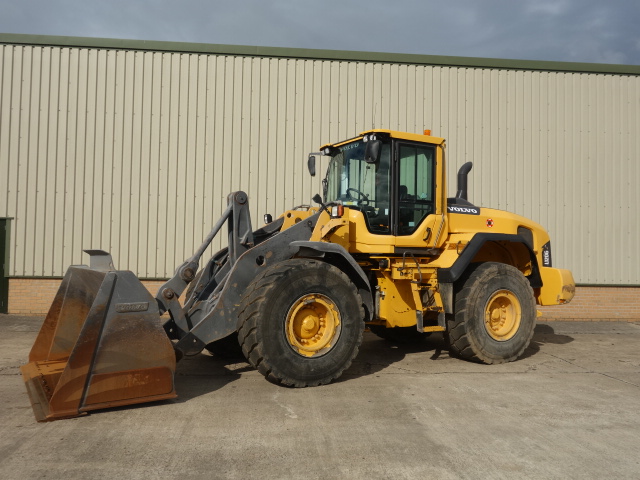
[(312, 325), (502, 315)]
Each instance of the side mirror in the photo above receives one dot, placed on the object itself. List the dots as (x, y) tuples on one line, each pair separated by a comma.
[(311, 164), (372, 151)]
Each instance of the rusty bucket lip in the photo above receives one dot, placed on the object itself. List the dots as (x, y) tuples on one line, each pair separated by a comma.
[(40, 401), (39, 398)]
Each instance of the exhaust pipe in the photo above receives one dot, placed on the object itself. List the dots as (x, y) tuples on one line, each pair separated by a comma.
[(462, 180)]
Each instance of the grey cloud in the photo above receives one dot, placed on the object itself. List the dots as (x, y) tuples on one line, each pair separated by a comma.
[(562, 30)]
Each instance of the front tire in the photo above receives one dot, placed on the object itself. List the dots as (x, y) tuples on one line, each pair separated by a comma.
[(494, 315), (301, 323)]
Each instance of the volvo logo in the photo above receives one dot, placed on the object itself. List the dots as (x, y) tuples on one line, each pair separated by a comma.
[(463, 210), (132, 307)]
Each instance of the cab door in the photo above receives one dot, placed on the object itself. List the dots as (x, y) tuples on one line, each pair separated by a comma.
[(418, 220)]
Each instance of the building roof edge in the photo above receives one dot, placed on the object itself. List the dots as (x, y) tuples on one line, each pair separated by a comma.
[(315, 54)]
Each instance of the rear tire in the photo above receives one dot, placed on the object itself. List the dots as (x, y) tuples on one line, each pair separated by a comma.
[(494, 315), (301, 323)]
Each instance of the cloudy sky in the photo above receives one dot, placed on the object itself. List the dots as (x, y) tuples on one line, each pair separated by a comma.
[(594, 31)]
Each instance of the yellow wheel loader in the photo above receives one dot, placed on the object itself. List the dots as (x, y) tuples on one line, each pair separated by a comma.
[(384, 249)]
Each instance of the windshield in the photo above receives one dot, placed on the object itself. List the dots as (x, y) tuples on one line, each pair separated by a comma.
[(361, 185)]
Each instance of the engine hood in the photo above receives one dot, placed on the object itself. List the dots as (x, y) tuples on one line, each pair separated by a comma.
[(472, 219)]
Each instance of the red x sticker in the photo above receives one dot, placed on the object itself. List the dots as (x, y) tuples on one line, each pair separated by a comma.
[(489, 222)]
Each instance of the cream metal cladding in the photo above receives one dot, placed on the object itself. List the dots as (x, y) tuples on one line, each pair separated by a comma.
[(132, 148)]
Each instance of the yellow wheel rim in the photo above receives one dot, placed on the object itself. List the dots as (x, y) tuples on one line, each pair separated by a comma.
[(502, 315), (313, 325)]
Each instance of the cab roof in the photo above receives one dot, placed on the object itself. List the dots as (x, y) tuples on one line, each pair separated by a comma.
[(412, 137)]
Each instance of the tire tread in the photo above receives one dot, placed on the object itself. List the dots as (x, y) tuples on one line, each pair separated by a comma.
[(460, 342), (252, 303)]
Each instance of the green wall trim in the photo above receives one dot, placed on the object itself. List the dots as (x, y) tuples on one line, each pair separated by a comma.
[(312, 54)]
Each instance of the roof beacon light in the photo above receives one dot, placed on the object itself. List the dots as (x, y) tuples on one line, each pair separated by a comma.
[(427, 132)]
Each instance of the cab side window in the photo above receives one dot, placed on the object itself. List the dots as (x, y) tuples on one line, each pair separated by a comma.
[(416, 188)]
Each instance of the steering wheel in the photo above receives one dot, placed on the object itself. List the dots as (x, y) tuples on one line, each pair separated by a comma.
[(361, 199)]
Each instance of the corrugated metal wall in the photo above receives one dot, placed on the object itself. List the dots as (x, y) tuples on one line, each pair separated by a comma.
[(134, 151)]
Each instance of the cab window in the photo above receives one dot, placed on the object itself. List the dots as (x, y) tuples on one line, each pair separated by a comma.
[(360, 185), (416, 186)]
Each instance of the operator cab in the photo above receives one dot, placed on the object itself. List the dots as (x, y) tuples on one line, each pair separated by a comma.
[(391, 180)]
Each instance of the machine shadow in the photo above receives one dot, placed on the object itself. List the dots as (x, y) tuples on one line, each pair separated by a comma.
[(544, 334), (376, 354), (205, 373)]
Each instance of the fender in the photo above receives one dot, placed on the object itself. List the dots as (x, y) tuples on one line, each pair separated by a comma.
[(453, 273), (339, 257)]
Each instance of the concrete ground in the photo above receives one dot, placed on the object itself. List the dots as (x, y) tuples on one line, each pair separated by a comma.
[(570, 408)]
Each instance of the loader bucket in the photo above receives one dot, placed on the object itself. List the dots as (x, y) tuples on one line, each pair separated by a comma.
[(101, 345)]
